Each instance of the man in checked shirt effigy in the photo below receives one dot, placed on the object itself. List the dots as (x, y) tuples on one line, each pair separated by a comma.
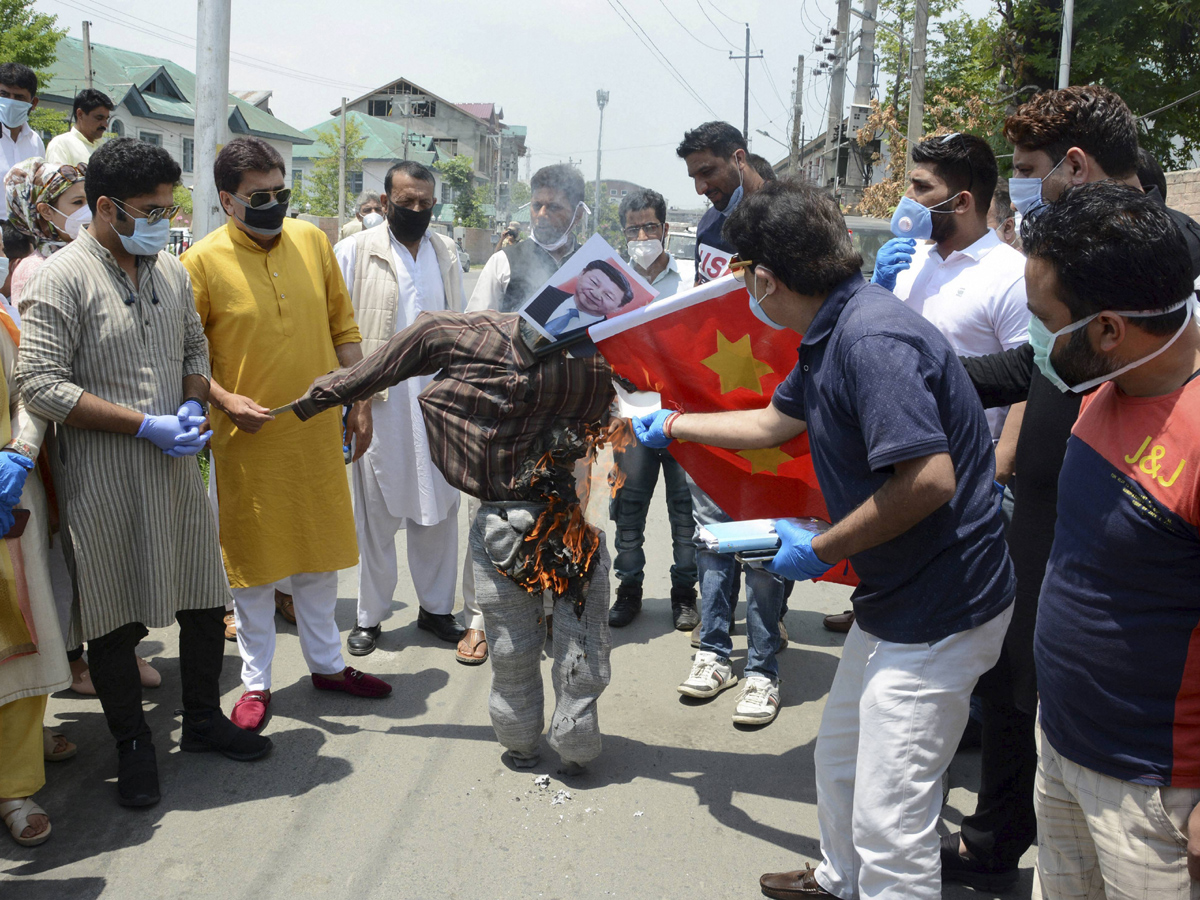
[(506, 425)]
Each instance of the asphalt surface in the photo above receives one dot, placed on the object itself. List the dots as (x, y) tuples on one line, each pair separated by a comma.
[(408, 797)]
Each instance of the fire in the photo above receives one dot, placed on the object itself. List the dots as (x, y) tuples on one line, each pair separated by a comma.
[(618, 435)]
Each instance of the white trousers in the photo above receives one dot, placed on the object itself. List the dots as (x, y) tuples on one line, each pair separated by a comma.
[(1101, 838), (314, 595), (471, 611), (432, 554), (891, 724)]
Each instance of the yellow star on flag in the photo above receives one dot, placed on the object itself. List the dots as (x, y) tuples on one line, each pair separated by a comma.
[(736, 366), (768, 460)]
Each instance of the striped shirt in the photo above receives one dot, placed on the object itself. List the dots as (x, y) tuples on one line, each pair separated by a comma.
[(142, 533), (493, 406)]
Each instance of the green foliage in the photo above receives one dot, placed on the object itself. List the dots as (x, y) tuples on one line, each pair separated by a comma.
[(28, 37), (519, 194), (48, 122), (468, 199), (319, 192), (609, 221), (183, 199)]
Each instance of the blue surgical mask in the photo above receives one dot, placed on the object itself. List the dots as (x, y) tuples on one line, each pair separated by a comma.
[(756, 305), (1026, 193), (912, 220), (1042, 340), (146, 240), (14, 113), (735, 198)]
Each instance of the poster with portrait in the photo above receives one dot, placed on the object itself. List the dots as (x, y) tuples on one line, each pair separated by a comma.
[(593, 285)]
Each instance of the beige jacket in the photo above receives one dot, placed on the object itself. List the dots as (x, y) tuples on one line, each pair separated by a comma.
[(375, 291)]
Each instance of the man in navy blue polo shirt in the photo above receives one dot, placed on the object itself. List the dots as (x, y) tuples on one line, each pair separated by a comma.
[(904, 458)]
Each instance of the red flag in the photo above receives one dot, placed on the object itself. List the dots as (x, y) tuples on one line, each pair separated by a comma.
[(705, 351)]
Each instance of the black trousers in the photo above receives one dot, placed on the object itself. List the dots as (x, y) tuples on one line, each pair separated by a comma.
[(1004, 825), (114, 668)]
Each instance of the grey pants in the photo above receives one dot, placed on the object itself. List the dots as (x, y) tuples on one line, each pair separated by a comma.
[(516, 633)]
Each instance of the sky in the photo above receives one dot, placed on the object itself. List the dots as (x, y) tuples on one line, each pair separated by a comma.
[(541, 61)]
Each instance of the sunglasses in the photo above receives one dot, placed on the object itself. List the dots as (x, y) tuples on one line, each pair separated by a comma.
[(262, 198), (738, 267), (153, 216)]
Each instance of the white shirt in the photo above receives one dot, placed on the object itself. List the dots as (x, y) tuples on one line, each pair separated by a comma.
[(580, 319), (12, 152), (975, 297), (413, 487), (71, 148)]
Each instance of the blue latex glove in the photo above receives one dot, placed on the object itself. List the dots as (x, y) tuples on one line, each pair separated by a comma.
[(13, 469), (893, 258), (649, 429), (796, 558), (7, 519)]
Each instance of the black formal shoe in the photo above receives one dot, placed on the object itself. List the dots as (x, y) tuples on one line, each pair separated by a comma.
[(361, 641), (973, 872), (628, 604), (211, 730), (137, 774), (683, 608), (444, 626)]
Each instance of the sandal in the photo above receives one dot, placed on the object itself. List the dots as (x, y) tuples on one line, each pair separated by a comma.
[(16, 815), (472, 649), (285, 607), (55, 746)]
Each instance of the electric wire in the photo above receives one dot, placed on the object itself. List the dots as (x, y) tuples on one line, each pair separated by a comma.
[(685, 28), (716, 28), (726, 15), (648, 42)]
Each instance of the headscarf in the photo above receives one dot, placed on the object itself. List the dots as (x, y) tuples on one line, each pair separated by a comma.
[(36, 181)]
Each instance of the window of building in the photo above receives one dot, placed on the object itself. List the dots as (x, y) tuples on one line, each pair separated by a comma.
[(117, 127), (356, 183), (623, 193), (423, 109), (612, 192), (189, 152), (150, 137), (379, 108), (447, 193), (446, 146), (297, 180)]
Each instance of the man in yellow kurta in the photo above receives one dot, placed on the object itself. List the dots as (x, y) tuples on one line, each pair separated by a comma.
[(277, 314)]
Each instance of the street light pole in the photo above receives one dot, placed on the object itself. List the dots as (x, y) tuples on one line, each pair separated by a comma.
[(916, 100), (1064, 57), (212, 110), (601, 100)]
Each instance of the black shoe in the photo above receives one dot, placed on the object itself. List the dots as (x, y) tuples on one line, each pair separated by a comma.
[(683, 608), (627, 606), (137, 774), (972, 872), (444, 626), (211, 730), (361, 641)]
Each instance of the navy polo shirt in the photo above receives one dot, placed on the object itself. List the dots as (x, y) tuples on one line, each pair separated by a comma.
[(877, 385)]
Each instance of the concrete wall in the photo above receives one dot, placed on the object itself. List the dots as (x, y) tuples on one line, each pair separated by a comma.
[(479, 243), (1183, 191)]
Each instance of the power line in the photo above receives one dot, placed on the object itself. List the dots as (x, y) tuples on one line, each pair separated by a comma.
[(689, 33), (715, 28), (648, 42), (726, 15), (1168, 106), (771, 82)]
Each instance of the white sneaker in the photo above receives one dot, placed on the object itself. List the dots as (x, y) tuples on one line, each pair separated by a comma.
[(710, 675), (759, 702)]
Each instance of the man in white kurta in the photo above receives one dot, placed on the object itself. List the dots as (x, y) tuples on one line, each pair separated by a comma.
[(396, 271)]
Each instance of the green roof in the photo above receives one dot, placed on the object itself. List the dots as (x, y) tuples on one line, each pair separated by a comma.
[(152, 88), (382, 140)]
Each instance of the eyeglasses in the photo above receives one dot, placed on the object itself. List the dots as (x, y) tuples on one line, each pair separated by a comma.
[(738, 267), (153, 216), (262, 198), (653, 230)]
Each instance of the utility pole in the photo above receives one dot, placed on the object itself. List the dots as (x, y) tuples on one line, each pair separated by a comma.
[(87, 55), (837, 89), (601, 100), (797, 118), (746, 93), (863, 84), (342, 169), (1064, 57), (212, 110), (916, 100)]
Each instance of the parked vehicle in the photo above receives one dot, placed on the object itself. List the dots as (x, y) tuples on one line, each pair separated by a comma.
[(868, 235), (681, 244)]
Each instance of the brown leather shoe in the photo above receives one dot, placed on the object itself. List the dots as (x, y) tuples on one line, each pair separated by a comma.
[(790, 885), (283, 606), (230, 627), (472, 649), (840, 622)]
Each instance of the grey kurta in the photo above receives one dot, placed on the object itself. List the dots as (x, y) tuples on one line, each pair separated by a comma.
[(142, 533)]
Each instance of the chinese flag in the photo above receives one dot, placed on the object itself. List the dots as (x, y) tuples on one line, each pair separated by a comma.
[(705, 351)]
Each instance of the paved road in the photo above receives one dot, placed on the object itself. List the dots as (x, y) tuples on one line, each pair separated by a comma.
[(408, 797)]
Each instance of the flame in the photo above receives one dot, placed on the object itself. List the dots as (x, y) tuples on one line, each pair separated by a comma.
[(618, 435)]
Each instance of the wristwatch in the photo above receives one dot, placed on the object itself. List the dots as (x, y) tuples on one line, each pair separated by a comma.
[(22, 447)]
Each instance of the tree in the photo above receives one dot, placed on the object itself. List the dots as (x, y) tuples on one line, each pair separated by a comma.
[(30, 38), (319, 192), (608, 219), (519, 194), (468, 200)]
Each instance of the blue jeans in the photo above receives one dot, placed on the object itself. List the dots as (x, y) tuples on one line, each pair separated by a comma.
[(629, 506), (719, 585)]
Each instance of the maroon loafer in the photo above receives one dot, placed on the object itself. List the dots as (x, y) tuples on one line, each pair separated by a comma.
[(250, 711), (360, 684)]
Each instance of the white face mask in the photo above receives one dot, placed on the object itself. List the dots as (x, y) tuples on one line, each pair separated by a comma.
[(562, 240), (3, 269), (76, 220), (644, 253), (370, 220)]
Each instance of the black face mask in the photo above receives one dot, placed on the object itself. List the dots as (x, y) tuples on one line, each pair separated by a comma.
[(408, 224), (266, 221)]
